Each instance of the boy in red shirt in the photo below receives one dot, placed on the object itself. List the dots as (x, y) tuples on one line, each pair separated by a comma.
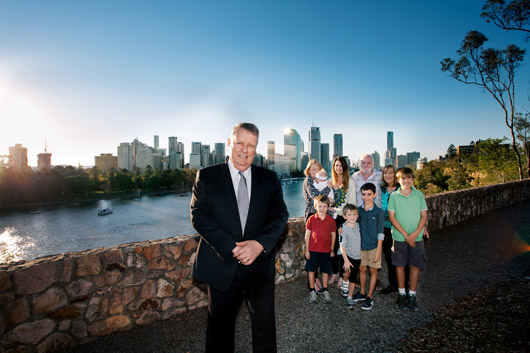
[(319, 242)]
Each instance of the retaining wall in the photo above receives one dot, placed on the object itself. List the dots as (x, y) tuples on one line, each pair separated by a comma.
[(58, 302)]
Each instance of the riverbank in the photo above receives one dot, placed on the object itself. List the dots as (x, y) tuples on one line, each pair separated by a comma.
[(77, 200)]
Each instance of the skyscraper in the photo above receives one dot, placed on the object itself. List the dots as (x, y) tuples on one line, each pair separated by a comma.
[(44, 160), (172, 146), (324, 156), (205, 155), (18, 156), (314, 143), (377, 160), (291, 143), (125, 157), (337, 145), (219, 152), (391, 152), (156, 142), (271, 153), (106, 161)]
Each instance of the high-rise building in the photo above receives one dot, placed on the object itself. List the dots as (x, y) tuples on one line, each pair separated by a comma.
[(391, 152), (106, 161), (219, 152), (144, 157), (337, 145), (196, 147), (180, 155), (125, 157), (401, 161), (44, 160), (205, 155), (304, 160), (377, 160), (18, 156), (271, 153), (291, 147), (156, 142), (195, 160), (324, 156), (412, 158), (172, 142), (314, 143)]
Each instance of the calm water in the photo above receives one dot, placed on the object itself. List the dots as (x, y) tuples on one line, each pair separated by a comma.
[(75, 228)]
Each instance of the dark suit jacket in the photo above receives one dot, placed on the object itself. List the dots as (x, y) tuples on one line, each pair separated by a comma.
[(214, 214)]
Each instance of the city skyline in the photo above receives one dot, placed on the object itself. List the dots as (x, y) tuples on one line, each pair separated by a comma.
[(195, 69)]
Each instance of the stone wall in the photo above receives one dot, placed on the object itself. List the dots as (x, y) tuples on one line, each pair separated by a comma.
[(58, 302)]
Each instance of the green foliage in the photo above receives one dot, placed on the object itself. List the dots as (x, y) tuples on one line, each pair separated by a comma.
[(493, 162), (508, 15), (431, 178)]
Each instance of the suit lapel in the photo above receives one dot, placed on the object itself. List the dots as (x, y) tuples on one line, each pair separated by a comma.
[(226, 179)]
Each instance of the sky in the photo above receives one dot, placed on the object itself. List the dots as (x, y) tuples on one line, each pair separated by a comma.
[(87, 75)]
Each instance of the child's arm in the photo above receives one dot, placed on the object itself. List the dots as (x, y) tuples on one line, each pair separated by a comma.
[(307, 236), (377, 255), (395, 223), (421, 225), (333, 238), (347, 263)]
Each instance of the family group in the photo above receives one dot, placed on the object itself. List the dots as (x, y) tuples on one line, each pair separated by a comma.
[(352, 221)]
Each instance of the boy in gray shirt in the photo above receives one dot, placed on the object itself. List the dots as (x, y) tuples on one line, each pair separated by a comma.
[(350, 252)]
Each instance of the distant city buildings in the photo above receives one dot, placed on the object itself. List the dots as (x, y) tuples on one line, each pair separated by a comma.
[(314, 143), (337, 145), (18, 156), (391, 152), (125, 156), (219, 151), (377, 160), (292, 148), (324, 156), (106, 161)]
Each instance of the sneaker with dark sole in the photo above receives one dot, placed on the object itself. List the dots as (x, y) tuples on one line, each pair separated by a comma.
[(367, 304), (412, 303), (326, 297), (350, 302), (358, 297), (401, 301), (313, 299), (344, 292)]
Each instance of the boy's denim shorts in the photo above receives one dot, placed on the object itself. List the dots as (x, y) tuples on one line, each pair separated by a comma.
[(318, 258), (403, 254)]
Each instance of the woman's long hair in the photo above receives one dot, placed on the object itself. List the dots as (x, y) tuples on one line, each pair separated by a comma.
[(345, 172), (310, 164), (385, 168)]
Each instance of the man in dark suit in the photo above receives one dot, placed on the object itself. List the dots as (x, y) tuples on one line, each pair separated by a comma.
[(238, 210)]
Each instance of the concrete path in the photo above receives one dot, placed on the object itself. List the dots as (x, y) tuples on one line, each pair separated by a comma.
[(460, 260)]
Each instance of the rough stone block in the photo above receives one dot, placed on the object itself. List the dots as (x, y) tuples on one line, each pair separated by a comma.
[(68, 269), (79, 329), (6, 298), (56, 342), (147, 304), (171, 302), (194, 295), (64, 325), (114, 256), (178, 275), (79, 288), (32, 332), (120, 298), (164, 289), (110, 325), (135, 260), (5, 282), (35, 279), (133, 277), (88, 265), (151, 252), (148, 317), (18, 311), (183, 288), (149, 289), (97, 308), (161, 263), (52, 299), (191, 244), (174, 250), (70, 312)]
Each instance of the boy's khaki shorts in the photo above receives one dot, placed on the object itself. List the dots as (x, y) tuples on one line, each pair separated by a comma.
[(367, 259)]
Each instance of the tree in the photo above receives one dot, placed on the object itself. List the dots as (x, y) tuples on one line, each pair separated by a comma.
[(493, 162), (512, 15), (493, 70), (451, 151), (431, 178), (522, 129)]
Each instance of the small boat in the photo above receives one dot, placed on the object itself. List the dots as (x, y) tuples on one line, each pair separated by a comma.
[(104, 211)]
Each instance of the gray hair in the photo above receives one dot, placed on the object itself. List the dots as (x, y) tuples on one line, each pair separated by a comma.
[(253, 129)]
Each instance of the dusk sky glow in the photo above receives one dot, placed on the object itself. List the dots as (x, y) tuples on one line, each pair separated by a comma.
[(88, 75)]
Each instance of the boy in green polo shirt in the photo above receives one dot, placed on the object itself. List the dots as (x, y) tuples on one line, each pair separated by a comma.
[(407, 211)]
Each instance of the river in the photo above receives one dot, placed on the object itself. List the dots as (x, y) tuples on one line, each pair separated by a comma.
[(24, 236)]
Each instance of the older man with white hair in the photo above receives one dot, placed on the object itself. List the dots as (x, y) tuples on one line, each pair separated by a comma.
[(368, 174)]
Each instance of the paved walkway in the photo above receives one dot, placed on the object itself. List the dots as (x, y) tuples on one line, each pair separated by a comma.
[(460, 260)]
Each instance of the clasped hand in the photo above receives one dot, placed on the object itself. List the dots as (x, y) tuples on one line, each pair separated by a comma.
[(247, 251)]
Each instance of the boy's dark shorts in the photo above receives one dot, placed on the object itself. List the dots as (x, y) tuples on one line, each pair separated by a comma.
[(318, 258), (403, 254), (353, 271)]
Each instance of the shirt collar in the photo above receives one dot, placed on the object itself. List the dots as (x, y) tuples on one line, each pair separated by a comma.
[(234, 171)]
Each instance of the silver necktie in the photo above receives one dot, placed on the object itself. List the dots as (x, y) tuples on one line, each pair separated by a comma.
[(242, 200)]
